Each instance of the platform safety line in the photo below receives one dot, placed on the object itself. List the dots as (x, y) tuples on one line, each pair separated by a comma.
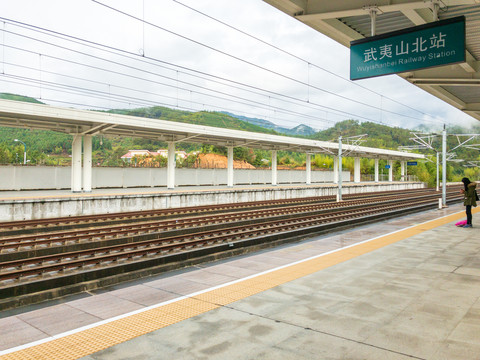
[(104, 334)]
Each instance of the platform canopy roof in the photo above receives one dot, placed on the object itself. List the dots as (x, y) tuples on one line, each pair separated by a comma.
[(84, 122), (347, 20)]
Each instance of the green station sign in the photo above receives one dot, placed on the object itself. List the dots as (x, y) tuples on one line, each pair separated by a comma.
[(430, 45)]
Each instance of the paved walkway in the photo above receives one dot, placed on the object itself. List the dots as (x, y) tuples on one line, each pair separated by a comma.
[(411, 294)]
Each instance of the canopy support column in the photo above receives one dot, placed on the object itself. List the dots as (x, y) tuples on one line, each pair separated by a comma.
[(309, 168), (402, 171), (356, 170), (339, 194), (335, 169), (390, 170), (87, 163), (230, 166), (274, 167), (76, 181), (444, 167), (376, 170), (171, 165)]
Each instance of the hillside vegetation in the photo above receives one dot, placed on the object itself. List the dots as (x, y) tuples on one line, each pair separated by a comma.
[(52, 148)]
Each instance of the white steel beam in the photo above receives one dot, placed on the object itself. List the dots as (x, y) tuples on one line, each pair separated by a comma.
[(308, 166), (171, 165), (18, 114), (390, 170), (274, 167), (76, 181), (335, 169), (87, 163), (356, 170), (230, 166), (444, 95), (342, 8)]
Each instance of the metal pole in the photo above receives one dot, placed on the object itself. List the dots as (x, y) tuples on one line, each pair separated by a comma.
[(308, 166), (230, 166), (76, 183), (435, 8), (438, 172), (171, 165), (87, 163), (444, 167), (373, 20), (339, 195), (274, 167), (24, 151)]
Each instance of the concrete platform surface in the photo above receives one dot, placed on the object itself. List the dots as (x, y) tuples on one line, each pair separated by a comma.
[(407, 288)]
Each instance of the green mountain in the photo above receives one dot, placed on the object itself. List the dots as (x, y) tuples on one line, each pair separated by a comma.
[(15, 97), (207, 118), (299, 130), (379, 136)]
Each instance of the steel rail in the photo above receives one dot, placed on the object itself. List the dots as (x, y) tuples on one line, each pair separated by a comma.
[(116, 231), (92, 220), (96, 257)]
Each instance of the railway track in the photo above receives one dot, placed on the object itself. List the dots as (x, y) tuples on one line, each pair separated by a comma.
[(53, 259), (64, 223), (66, 237)]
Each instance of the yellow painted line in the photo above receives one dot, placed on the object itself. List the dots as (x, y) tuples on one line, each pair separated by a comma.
[(77, 344)]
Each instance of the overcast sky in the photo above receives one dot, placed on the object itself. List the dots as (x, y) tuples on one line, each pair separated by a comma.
[(179, 58)]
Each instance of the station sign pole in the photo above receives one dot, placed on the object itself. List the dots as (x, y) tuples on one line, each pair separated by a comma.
[(339, 195), (444, 167)]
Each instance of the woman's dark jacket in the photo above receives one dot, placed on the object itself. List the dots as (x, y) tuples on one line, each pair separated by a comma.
[(469, 195)]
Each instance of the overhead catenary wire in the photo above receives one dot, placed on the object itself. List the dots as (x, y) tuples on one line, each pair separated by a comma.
[(246, 61), (256, 103), (156, 74), (223, 79), (296, 56), (139, 101)]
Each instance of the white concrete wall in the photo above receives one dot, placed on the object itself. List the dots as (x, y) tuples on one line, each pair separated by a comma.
[(51, 177)]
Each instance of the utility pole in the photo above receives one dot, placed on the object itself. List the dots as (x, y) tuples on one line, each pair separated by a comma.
[(24, 151), (339, 195), (444, 167)]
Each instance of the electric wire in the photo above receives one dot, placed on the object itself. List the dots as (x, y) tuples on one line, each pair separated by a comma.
[(296, 56), (257, 104), (156, 74), (246, 61), (122, 98), (296, 99), (153, 73)]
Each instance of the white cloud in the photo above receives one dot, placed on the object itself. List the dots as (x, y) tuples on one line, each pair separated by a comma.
[(151, 83)]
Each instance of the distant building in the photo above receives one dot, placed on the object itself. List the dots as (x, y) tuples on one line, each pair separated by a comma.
[(161, 152), (179, 154), (132, 153)]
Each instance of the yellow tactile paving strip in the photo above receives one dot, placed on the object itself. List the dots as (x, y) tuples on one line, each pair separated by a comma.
[(103, 336)]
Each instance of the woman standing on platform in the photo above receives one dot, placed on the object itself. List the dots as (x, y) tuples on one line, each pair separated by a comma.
[(469, 199)]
